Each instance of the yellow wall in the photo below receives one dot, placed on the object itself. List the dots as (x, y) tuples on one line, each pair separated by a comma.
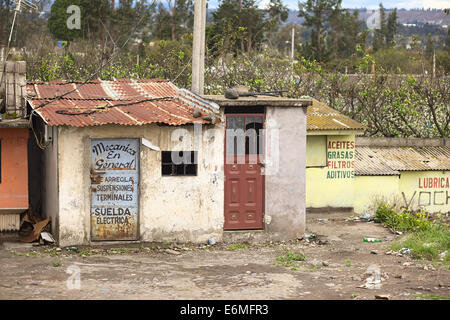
[(372, 189), (330, 185), (417, 190)]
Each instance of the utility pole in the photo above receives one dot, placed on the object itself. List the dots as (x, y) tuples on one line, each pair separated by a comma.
[(292, 43), (198, 50), (434, 63)]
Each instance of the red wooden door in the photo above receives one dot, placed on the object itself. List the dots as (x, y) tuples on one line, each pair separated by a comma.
[(244, 182)]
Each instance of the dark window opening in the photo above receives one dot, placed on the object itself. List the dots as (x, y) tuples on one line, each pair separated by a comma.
[(179, 163), (253, 109), (245, 135)]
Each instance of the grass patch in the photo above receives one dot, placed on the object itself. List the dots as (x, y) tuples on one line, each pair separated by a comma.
[(238, 246), (425, 238), (289, 259), (427, 244), (432, 296), (119, 251), (85, 252), (57, 264)]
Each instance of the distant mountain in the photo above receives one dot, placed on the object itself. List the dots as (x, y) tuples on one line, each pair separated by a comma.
[(413, 16)]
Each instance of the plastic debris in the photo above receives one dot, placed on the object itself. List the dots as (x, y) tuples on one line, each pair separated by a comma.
[(47, 237), (371, 240), (405, 251), (211, 241)]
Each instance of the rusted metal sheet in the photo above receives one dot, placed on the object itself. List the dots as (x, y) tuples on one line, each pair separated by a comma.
[(114, 189), (319, 116), (124, 102)]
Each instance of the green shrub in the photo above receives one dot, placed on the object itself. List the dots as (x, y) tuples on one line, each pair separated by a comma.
[(403, 220)]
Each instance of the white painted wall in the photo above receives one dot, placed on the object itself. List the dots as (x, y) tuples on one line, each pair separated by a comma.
[(171, 208)]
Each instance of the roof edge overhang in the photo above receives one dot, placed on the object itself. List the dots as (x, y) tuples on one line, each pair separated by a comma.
[(258, 102), (15, 124), (343, 132)]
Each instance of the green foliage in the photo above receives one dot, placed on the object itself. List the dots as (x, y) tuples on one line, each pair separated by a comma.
[(403, 220), (237, 246), (427, 243), (290, 259), (427, 239), (316, 14), (92, 12), (431, 296), (348, 263)]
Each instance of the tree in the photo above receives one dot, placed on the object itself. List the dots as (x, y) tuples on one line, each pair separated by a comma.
[(283, 37), (173, 20), (277, 13), (92, 13), (391, 27), (316, 14), (345, 33), (379, 35), (429, 48), (238, 23)]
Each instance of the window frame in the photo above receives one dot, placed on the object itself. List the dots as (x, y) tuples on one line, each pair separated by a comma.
[(175, 168)]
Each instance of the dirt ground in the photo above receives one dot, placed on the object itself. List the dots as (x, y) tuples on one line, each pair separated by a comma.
[(336, 266)]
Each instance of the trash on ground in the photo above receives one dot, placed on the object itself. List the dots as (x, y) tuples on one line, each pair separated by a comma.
[(170, 251), (382, 297), (47, 237), (371, 240), (366, 216), (37, 229), (211, 241), (405, 251)]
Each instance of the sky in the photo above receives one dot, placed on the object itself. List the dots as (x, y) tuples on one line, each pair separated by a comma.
[(369, 4)]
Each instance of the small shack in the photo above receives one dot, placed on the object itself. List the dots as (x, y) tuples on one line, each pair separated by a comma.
[(142, 160), (412, 173), (330, 158)]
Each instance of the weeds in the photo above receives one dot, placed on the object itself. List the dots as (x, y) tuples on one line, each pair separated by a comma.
[(403, 220), (348, 263), (426, 239), (238, 246), (57, 264), (289, 259), (432, 296)]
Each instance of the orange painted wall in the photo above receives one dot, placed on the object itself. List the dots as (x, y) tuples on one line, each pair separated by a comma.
[(14, 170)]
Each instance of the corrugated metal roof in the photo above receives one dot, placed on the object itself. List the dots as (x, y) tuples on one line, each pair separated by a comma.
[(124, 102), (368, 163), (322, 117), (380, 160)]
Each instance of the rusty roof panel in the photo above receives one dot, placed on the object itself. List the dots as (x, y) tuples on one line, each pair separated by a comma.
[(429, 158), (322, 117), (124, 102)]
